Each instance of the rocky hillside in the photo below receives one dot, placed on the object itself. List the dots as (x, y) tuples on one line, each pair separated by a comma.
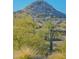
[(42, 9)]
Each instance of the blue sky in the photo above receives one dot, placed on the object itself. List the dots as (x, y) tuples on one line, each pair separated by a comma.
[(57, 4)]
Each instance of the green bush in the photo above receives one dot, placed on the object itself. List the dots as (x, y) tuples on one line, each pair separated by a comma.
[(26, 34)]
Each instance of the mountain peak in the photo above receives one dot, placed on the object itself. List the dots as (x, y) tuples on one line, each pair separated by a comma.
[(42, 8)]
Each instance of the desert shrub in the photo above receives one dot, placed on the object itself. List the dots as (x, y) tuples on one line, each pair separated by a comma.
[(26, 34)]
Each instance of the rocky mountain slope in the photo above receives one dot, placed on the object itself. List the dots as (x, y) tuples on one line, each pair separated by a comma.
[(42, 9)]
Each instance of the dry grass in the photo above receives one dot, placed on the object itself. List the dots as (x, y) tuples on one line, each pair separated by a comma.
[(25, 53), (57, 56)]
